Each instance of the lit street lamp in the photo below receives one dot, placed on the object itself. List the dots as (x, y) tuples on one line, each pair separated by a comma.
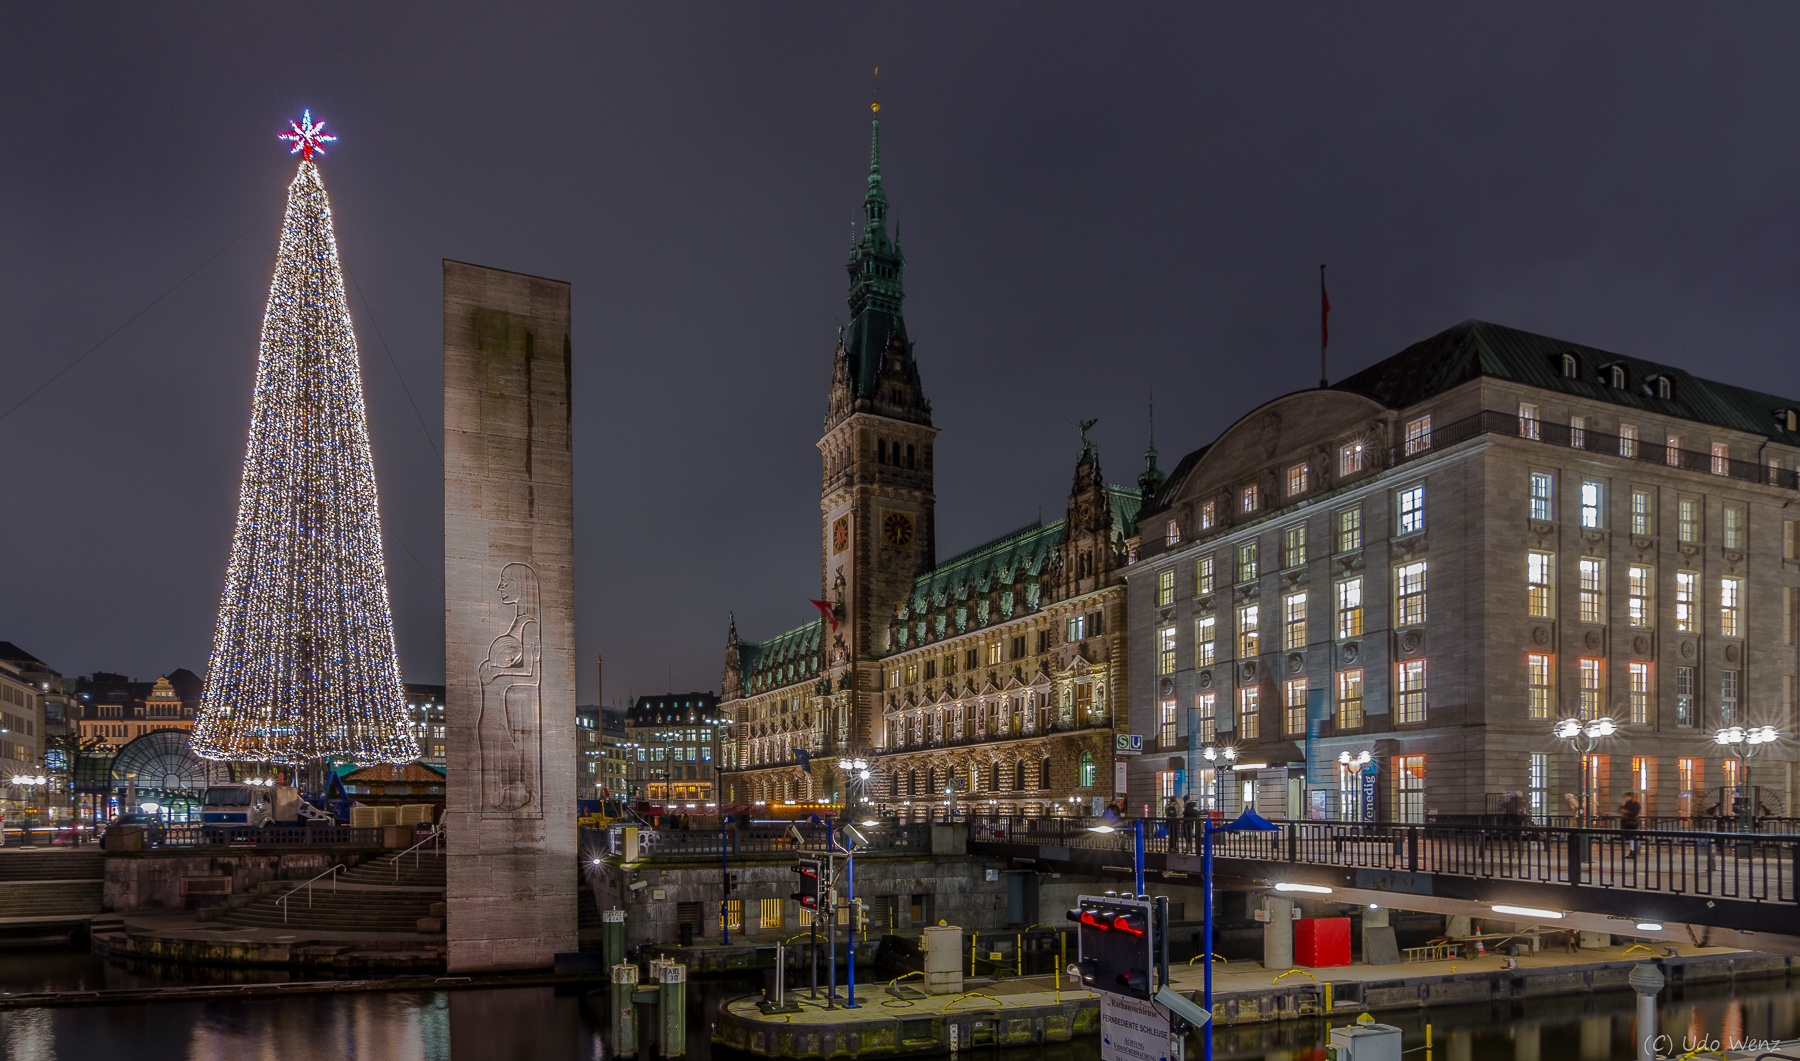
[(1743, 744), (856, 777), (1582, 738), (1213, 755)]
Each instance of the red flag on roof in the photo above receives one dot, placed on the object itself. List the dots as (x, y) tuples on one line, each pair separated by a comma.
[(829, 610), (1324, 312)]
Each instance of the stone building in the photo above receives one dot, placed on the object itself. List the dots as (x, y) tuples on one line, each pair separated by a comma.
[(1435, 560), (425, 706), (116, 710), (999, 668), (672, 745)]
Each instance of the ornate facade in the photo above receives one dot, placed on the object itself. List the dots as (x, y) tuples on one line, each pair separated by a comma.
[(993, 676)]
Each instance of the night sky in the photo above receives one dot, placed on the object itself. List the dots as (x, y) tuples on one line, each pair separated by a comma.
[(1096, 202)]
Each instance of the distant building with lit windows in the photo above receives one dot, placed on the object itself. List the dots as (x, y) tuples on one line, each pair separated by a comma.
[(1436, 559), (672, 749), (425, 707)]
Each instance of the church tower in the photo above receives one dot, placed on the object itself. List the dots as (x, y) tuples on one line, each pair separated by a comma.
[(877, 502)]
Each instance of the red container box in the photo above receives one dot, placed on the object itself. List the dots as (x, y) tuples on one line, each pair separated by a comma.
[(1322, 941)]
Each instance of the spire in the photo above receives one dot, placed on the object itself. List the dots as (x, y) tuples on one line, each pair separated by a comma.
[(1151, 480), (875, 262)]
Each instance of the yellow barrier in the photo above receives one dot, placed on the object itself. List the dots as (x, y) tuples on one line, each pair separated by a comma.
[(1637, 946), (1217, 957), (901, 1001), (971, 994), (1291, 972)]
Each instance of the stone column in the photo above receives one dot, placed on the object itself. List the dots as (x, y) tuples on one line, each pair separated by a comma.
[(1457, 926), (1278, 934), (1378, 947), (509, 624)]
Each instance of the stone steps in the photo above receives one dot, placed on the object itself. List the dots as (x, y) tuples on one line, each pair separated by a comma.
[(43, 898), (51, 865), (351, 908)]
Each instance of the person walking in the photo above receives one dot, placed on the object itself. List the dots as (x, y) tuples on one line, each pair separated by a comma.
[(1630, 817), (1190, 825)]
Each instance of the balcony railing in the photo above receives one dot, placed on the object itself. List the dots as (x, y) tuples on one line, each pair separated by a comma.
[(710, 843), (928, 744)]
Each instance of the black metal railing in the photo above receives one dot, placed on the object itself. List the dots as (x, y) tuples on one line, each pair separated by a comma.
[(1755, 867), (270, 836), (710, 843)]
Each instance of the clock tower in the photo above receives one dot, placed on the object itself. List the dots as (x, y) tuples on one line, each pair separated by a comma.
[(876, 504)]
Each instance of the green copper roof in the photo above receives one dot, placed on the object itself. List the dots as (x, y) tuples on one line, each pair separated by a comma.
[(781, 660), (1006, 560), (1125, 502), (876, 293), (1477, 348)]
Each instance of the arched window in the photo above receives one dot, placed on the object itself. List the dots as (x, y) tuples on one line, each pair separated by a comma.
[(931, 779), (1618, 376), (1570, 367), (1044, 773), (1665, 388), (912, 782), (994, 777), (974, 777), (1020, 781), (1087, 769)]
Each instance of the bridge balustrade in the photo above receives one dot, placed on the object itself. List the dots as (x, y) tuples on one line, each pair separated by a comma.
[(709, 843)]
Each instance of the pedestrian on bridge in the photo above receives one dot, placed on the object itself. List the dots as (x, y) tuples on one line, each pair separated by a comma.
[(1630, 817)]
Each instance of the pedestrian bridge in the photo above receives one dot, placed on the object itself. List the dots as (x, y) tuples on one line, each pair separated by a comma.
[(1720, 888)]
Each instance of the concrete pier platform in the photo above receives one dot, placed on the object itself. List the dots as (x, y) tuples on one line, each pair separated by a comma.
[(184, 938), (1027, 1011)]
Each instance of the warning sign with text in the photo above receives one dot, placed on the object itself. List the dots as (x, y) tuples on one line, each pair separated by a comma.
[(1132, 1031)]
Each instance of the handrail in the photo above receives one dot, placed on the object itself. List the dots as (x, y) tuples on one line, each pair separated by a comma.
[(331, 872), (435, 832)]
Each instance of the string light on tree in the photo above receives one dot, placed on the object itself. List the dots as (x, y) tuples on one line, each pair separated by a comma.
[(303, 666)]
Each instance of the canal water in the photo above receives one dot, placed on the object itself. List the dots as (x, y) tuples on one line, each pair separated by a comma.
[(532, 1023)]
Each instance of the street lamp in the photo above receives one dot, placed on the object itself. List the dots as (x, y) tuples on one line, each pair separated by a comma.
[(1744, 743), (1582, 738), (856, 773), (1213, 755), (1353, 764)]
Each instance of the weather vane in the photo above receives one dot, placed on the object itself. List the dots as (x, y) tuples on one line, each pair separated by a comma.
[(875, 104), (308, 137)]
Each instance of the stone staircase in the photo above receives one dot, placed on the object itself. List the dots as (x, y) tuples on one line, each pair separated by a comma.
[(379, 896), (55, 885)]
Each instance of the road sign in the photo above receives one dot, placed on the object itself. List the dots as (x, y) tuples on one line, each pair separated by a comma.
[(1132, 1031), (1128, 743)]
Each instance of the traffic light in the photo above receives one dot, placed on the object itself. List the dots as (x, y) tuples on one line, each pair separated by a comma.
[(808, 895), (731, 883), (1116, 941)]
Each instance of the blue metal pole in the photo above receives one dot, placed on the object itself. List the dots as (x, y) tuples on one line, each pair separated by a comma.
[(831, 925), (1206, 935), (1138, 852), (724, 882), (850, 897)]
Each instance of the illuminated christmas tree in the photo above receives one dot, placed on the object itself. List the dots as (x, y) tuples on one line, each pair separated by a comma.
[(303, 665)]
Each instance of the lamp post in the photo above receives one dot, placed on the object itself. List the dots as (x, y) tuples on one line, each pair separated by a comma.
[(1248, 821), (1220, 760), (1359, 762), (1582, 738), (856, 776), (1743, 744)]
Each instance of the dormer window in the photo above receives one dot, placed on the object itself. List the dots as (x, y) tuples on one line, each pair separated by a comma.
[(1661, 386), (1616, 376), (1249, 499), (1571, 367), (1788, 419), (1172, 535)]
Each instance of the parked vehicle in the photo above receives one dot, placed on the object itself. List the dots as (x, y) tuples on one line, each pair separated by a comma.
[(152, 826), (255, 806)]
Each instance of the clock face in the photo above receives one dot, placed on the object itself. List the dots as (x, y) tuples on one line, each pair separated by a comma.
[(840, 534), (897, 529), (1086, 512)]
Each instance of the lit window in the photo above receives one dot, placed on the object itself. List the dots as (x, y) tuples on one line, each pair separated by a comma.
[(1721, 458), (1684, 696), (1294, 621), (1203, 576), (1206, 717), (1418, 435), (1728, 697), (1294, 704), (1687, 595), (1529, 425), (1350, 607), (1640, 694), (1172, 533), (1249, 498), (1165, 650), (1412, 510), (1208, 515), (1293, 546), (1165, 588), (1537, 686), (1540, 582), (1350, 459), (1246, 562), (1734, 527), (1409, 788), (1593, 505), (1592, 591), (1592, 688), (1409, 592), (1249, 714), (1543, 488), (1731, 595), (1687, 520), (1643, 520), (1411, 690), (1350, 699), (1349, 529), (1578, 432), (1247, 631), (1205, 649), (1672, 450), (1087, 770), (1628, 435), (1297, 477), (1166, 723), (1640, 588)]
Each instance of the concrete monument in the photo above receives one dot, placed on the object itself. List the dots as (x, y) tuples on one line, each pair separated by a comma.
[(509, 621)]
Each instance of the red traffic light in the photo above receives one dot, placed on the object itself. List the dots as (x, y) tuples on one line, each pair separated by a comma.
[(1111, 921)]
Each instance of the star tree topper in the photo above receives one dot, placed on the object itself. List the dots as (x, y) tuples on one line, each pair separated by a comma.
[(308, 137)]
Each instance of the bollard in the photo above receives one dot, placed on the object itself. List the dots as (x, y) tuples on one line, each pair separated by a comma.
[(673, 1007), (612, 943), (1647, 981), (624, 1024)]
